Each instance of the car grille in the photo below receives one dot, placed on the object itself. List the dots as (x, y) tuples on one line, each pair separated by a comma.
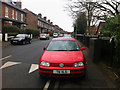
[(58, 64)]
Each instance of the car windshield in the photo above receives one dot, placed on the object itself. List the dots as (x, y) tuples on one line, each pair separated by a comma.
[(55, 34), (20, 35), (63, 45), (42, 34)]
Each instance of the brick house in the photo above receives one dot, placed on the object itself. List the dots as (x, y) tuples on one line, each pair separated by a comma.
[(100, 26), (12, 14), (35, 21), (92, 30), (31, 19)]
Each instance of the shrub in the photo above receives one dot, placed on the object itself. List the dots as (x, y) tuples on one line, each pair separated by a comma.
[(14, 30), (32, 31), (22, 31), (10, 29), (113, 29)]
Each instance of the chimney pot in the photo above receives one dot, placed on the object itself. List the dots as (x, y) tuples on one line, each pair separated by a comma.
[(45, 18), (49, 20), (40, 15)]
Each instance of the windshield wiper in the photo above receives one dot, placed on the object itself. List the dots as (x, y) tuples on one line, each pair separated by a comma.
[(74, 50), (59, 50)]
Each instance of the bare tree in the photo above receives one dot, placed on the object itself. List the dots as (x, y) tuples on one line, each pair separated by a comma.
[(94, 10), (81, 6), (108, 6)]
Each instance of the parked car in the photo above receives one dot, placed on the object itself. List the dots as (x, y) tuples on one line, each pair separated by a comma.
[(21, 39), (55, 35), (62, 58), (67, 35), (61, 35), (44, 36)]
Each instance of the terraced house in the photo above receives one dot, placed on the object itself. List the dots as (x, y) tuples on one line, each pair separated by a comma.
[(35, 21), (12, 14)]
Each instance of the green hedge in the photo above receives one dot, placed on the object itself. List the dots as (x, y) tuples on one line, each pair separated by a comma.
[(10, 29), (32, 31), (13, 30)]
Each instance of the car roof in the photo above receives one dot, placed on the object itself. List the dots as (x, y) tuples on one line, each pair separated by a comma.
[(63, 39)]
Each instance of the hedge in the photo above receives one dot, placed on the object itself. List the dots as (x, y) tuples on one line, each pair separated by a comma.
[(32, 31), (10, 29), (13, 30)]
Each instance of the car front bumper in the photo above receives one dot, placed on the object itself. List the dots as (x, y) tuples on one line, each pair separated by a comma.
[(73, 73), (16, 42)]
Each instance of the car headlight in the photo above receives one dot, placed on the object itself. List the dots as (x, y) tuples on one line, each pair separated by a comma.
[(78, 64), (46, 64)]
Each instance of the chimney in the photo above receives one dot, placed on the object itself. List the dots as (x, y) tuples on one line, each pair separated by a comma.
[(18, 4), (49, 20), (45, 18), (40, 15)]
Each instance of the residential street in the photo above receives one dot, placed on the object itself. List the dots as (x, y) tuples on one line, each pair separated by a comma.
[(17, 73)]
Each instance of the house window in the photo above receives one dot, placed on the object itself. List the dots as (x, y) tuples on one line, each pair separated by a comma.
[(16, 15), (21, 17), (38, 22), (6, 11), (12, 14)]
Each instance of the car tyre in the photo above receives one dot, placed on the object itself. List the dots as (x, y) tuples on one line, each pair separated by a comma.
[(12, 43), (43, 78), (83, 77), (29, 42), (23, 42)]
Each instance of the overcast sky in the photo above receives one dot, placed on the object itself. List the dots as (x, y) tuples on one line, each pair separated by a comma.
[(52, 9)]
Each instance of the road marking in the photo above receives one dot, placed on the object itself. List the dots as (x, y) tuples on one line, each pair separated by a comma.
[(46, 85), (33, 68), (56, 84), (116, 75), (6, 57), (7, 64)]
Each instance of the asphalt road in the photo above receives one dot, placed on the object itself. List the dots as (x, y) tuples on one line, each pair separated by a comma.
[(18, 60)]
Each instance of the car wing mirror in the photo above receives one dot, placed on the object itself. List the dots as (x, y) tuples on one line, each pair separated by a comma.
[(83, 48), (44, 48)]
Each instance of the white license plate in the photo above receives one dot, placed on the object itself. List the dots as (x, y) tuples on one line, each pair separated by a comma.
[(14, 41), (61, 71)]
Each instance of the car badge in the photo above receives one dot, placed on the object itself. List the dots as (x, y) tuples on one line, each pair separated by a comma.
[(61, 65)]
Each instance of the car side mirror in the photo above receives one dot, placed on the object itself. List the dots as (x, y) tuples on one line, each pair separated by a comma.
[(83, 48), (44, 48)]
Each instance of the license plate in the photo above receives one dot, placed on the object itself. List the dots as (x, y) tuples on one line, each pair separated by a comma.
[(14, 41), (61, 71)]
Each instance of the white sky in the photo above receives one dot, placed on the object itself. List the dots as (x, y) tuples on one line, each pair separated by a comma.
[(52, 9)]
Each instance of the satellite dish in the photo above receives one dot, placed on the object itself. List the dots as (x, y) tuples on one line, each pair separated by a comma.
[(13, 3)]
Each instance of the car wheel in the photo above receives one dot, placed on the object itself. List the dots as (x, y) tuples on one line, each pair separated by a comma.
[(29, 42), (83, 77), (23, 42), (12, 43), (43, 78)]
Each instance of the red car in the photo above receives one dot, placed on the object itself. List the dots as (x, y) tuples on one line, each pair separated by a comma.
[(62, 57)]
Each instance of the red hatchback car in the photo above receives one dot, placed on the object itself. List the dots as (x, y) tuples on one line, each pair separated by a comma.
[(63, 57)]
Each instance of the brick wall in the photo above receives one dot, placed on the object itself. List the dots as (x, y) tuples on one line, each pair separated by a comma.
[(31, 20), (10, 12)]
